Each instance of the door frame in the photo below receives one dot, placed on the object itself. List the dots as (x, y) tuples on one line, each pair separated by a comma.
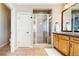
[(47, 28), (13, 27)]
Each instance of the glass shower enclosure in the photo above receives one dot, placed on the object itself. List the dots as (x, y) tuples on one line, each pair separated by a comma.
[(41, 28)]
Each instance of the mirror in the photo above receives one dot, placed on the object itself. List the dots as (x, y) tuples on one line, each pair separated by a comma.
[(70, 19), (67, 21)]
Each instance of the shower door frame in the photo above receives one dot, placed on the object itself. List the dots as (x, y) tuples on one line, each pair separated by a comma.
[(47, 28)]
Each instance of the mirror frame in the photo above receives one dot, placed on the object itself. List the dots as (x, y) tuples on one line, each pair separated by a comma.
[(62, 20)]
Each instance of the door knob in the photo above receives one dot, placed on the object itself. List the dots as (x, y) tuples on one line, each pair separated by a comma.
[(27, 32)]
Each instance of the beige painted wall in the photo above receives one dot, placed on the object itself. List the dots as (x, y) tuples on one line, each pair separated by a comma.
[(4, 24), (56, 11), (56, 16)]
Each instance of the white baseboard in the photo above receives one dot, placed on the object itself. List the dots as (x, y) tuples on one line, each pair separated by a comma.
[(4, 44), (25, 47)]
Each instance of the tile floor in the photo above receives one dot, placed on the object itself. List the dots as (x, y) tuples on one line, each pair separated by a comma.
[(38, 50)]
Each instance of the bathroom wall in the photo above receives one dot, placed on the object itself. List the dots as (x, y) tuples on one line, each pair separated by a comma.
[(4, 25), (56, 16), (56, 12)]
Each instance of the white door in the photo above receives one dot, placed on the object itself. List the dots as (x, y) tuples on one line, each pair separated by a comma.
[(24, 30)]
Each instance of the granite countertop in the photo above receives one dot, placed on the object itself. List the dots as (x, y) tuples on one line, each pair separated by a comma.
[(68, 33)]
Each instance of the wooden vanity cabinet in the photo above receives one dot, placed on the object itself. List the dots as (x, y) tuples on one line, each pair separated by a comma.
[(55, 41), (61, 43), (74, 46), (64, 44)]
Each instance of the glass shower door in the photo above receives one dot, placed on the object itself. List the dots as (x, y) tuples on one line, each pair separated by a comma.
[(41, 28)]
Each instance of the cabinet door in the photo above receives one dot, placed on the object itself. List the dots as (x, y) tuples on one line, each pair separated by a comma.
[(74, 49), (55, 42), (64, 45)]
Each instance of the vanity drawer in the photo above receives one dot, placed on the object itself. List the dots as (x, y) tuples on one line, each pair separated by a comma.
[(74, 39), (64, 37)]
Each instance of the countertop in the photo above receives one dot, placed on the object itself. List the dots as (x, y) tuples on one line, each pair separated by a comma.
[(67, 33)]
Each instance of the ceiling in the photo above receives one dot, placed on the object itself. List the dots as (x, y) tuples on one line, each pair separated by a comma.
[(38, 4), (29, 6)]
